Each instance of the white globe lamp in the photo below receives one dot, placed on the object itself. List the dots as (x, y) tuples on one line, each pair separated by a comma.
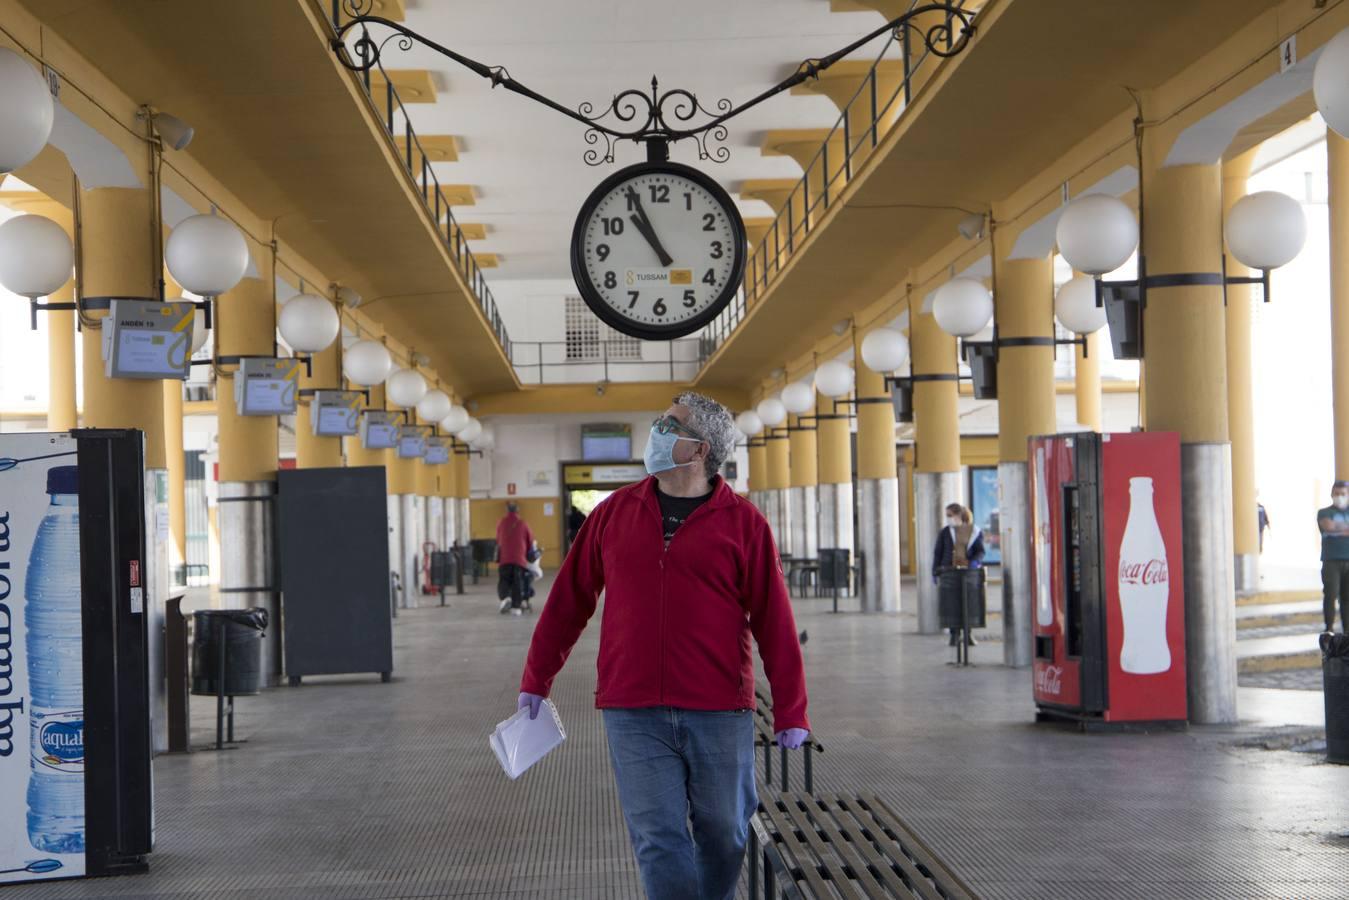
[(470, 432), (36, 257), (26, 112), (454, 421), (771, 412), (834, 379), (1097, 233), (206, 254), (366, 363), (799, 398), (885, 350), (1266, 230), (1075, 306), (434, 406), (405, 388), (749, 423), (309, 323), (1330, 83), (200, 333), (962, 307)]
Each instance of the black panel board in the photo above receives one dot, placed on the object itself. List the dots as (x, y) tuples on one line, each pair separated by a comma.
[(334, 561)]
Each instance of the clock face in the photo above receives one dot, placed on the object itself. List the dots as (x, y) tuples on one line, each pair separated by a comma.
[(658, 250)]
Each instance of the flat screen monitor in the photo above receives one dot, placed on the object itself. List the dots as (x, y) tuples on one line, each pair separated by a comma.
[(603, 443)]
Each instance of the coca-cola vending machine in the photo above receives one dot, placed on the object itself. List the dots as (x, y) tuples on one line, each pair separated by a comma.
[(1109, 588)]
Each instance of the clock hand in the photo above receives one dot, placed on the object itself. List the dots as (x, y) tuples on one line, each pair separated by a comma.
[(644, 226)]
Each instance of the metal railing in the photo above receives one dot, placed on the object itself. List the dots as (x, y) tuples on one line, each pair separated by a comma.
[(559, 362), (397, 124), (825, 179)]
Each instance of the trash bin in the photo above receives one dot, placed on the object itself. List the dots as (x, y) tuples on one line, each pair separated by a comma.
[(1335, 674), (955, 585), (243, 633)]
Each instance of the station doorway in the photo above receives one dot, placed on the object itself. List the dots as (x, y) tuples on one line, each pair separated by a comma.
[(586, 484)]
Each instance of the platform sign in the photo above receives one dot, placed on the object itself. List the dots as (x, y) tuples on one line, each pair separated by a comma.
[(266, 387), (335, 413), (147, 339), (412, 441), (437, 452), (379, 429)]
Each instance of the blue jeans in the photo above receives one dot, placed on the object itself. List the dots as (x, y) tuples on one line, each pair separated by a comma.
[(682, 769)]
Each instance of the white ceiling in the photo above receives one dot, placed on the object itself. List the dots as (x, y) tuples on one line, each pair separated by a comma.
[(526, 160)]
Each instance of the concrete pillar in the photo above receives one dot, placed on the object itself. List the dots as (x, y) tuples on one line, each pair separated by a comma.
[(449, 531), (462, 489), (1240, 397), (877, 493), (834, 445), (1186, 391), (1337, 152), (358, 455), (311, 451), (776, 489), (1024, 297), (936, 479), (119, 260), (1087, 382), (245, 324), (404, 509), (176, 464), (431, 521), (804, 475)]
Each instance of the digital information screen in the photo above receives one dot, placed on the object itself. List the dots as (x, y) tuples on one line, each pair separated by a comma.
[(437, 452), (412, 441), (266, 387), (147, 339), (335, 413), (604, 443), (379, 429)]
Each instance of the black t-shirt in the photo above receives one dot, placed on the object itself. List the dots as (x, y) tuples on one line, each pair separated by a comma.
[(674, 510)]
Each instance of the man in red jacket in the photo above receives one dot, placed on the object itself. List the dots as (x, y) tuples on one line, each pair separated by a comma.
[(689, 572), (513, 543)]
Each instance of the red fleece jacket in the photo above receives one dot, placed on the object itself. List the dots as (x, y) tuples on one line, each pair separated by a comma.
[(677, 621)]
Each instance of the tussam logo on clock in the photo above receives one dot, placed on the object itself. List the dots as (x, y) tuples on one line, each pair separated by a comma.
[(659, 276)]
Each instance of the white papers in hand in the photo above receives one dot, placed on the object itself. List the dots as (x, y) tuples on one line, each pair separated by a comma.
[(520, 741)]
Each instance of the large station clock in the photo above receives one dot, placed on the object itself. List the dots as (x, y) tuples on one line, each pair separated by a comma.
[(658, 250)]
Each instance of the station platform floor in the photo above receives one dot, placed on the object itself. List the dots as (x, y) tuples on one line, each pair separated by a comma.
[(349, 788)]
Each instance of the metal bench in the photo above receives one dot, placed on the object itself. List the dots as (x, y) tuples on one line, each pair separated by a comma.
[(841, 846), (765, 737)]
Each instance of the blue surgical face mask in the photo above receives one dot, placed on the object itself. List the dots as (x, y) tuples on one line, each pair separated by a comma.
[(659, 456)]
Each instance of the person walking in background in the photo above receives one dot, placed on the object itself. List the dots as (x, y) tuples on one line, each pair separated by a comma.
[(960, 545), (575, 519), (1262, 519), (689, 573), (1334, 524), (514, 541)]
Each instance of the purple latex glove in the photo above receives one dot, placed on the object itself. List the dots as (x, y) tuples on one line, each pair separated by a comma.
[(533, 701), (792, 738)]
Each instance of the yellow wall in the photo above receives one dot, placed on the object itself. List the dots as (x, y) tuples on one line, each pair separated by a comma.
[(485, 514)]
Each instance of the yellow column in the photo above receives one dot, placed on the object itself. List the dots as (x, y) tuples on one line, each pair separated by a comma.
[(803, 461), (355, 452), (878, 492), (1337, 149), (936, 479), (61, 413), (758, 465), (245, 324), (1087, 382), (779, 461), (1240, 397), (1185, 357), (177, 464), (461, 479), (875, 427), (804, 477), (833, 442), (312, 451), (119, 261)]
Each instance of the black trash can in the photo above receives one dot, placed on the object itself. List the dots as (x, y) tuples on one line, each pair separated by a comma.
[(243, 633), (1335, 674), (955, 586)]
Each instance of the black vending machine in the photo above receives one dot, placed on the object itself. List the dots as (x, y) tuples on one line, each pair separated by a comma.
[(75, 781)]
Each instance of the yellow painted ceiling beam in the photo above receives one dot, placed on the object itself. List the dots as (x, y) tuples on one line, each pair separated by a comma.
[(473, 231), (458, 194), (584, 398), (487, 260), (756, 228), (437, 147), (841, 81), (393, 10), (412, 85), (773, 191), (803, 144)]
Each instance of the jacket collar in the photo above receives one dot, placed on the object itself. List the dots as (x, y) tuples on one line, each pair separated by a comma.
[(722, 495)]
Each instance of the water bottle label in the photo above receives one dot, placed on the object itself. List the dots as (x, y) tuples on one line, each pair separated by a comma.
[(58, 742)]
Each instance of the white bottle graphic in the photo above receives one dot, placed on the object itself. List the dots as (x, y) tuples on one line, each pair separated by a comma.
[(1044, 590), (1144, 586)]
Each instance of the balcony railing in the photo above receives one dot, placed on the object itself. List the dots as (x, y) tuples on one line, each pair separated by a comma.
[(388, 108), (563, 362), (865, 119)]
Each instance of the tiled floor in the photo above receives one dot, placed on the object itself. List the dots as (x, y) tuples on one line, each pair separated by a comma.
[(350, 788)]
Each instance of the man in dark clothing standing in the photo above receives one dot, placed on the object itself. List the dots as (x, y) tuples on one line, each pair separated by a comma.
[(1334, 524), (513, 543)]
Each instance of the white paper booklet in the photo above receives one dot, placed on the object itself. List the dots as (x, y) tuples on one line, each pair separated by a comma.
[(520, 741)]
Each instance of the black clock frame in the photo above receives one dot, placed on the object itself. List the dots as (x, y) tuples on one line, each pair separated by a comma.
[(591, 294)]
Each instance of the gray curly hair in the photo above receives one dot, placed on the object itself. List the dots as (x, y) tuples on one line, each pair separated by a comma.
[(714, 422)]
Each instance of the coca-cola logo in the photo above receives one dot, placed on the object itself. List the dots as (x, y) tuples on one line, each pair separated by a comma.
[(1049, 680), (1151, 572)]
